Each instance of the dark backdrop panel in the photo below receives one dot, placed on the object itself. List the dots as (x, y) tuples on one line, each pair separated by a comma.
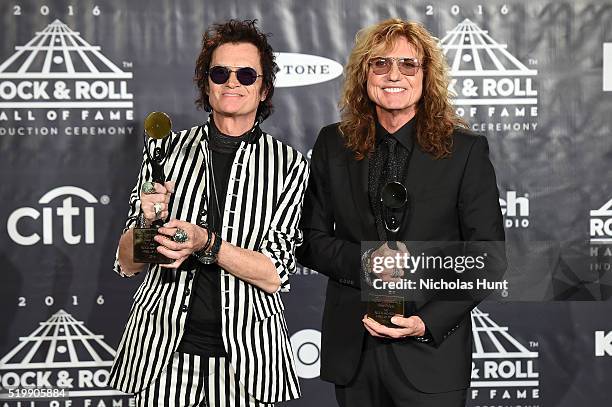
[(78, 78)]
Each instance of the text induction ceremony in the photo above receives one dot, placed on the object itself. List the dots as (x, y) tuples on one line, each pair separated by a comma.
[(351, 203)]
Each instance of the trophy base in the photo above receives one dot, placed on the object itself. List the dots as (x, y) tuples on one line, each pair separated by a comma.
[(145, 247), (381, 308)]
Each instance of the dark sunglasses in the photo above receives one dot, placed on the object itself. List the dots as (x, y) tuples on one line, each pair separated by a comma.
[(220, 74), (407, 66), (394, 195)]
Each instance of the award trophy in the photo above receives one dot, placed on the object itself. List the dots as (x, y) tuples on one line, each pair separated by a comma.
[(382, 307), (157, 126)]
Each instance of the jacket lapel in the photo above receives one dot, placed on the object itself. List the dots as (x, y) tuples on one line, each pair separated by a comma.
[(358, 176), (416, 178)]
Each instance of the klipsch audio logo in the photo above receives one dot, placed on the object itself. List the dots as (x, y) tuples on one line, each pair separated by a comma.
[(59, 77), (603, 343), (302, 69), (76, 220), (515, 210), (503, 369), (60, 354), (489, 83), (607, 66)]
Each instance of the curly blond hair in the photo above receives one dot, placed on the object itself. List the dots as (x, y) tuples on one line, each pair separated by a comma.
[(436, 117)]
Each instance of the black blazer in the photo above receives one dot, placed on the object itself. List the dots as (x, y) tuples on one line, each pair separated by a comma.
[(452, 199)]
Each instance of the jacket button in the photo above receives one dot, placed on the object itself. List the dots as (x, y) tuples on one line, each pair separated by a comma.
[(189, 275), (187, 291), (184, 308)]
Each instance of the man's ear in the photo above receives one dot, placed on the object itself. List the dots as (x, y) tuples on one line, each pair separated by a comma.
[(264, 94)]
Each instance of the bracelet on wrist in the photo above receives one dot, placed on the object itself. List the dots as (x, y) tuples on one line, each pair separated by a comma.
[(208, 241), (202, 251), (208, 254), (216, 246)]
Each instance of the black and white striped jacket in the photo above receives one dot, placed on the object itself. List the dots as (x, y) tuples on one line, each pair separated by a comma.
[(262, 211)]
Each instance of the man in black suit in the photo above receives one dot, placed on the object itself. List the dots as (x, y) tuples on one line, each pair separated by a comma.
[(398, 125)]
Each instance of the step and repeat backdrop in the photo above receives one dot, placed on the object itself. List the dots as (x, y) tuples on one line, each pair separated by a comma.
[(77, 79)]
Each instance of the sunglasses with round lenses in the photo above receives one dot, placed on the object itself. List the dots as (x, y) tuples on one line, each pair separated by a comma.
[(220, 74), (407, 66)]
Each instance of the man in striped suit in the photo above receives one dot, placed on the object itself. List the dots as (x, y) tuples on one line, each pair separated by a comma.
[(209, 329)]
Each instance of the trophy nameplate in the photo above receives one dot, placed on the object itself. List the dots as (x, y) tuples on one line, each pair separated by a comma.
[(381, 308)]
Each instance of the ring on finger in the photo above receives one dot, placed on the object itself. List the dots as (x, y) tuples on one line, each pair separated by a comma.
[(157, 208), (148, 188), (180, 236)]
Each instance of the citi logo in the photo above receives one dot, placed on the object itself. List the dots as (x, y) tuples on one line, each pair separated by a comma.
[(515, 210), (303, 69), (601, 224), (607, 66), (603, 343), (24, 231)]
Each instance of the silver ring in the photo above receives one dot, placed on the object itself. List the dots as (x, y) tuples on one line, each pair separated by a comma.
[(157, 208), (180, 236), (148, 188)]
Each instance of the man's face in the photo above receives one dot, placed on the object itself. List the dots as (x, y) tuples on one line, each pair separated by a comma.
[(395, 92), (232, 99)]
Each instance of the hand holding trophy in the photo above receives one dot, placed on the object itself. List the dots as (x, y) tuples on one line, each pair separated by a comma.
[(157, 126)]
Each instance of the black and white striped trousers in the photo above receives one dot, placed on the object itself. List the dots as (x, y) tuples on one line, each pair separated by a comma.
[(192, 380)]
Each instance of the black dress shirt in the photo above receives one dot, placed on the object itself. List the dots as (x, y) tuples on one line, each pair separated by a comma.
[(203, 332)]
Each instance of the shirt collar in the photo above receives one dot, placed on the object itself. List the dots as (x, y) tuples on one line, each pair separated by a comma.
[(405, 134), (251, 136)]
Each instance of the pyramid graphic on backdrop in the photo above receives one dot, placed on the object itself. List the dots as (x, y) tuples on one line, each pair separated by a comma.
[(59, 342), (470, 51), (605, 210), (59, 52), (493, 341)]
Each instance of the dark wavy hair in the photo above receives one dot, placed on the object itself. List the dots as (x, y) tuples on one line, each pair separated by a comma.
[(236, 31), (436, 116)]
